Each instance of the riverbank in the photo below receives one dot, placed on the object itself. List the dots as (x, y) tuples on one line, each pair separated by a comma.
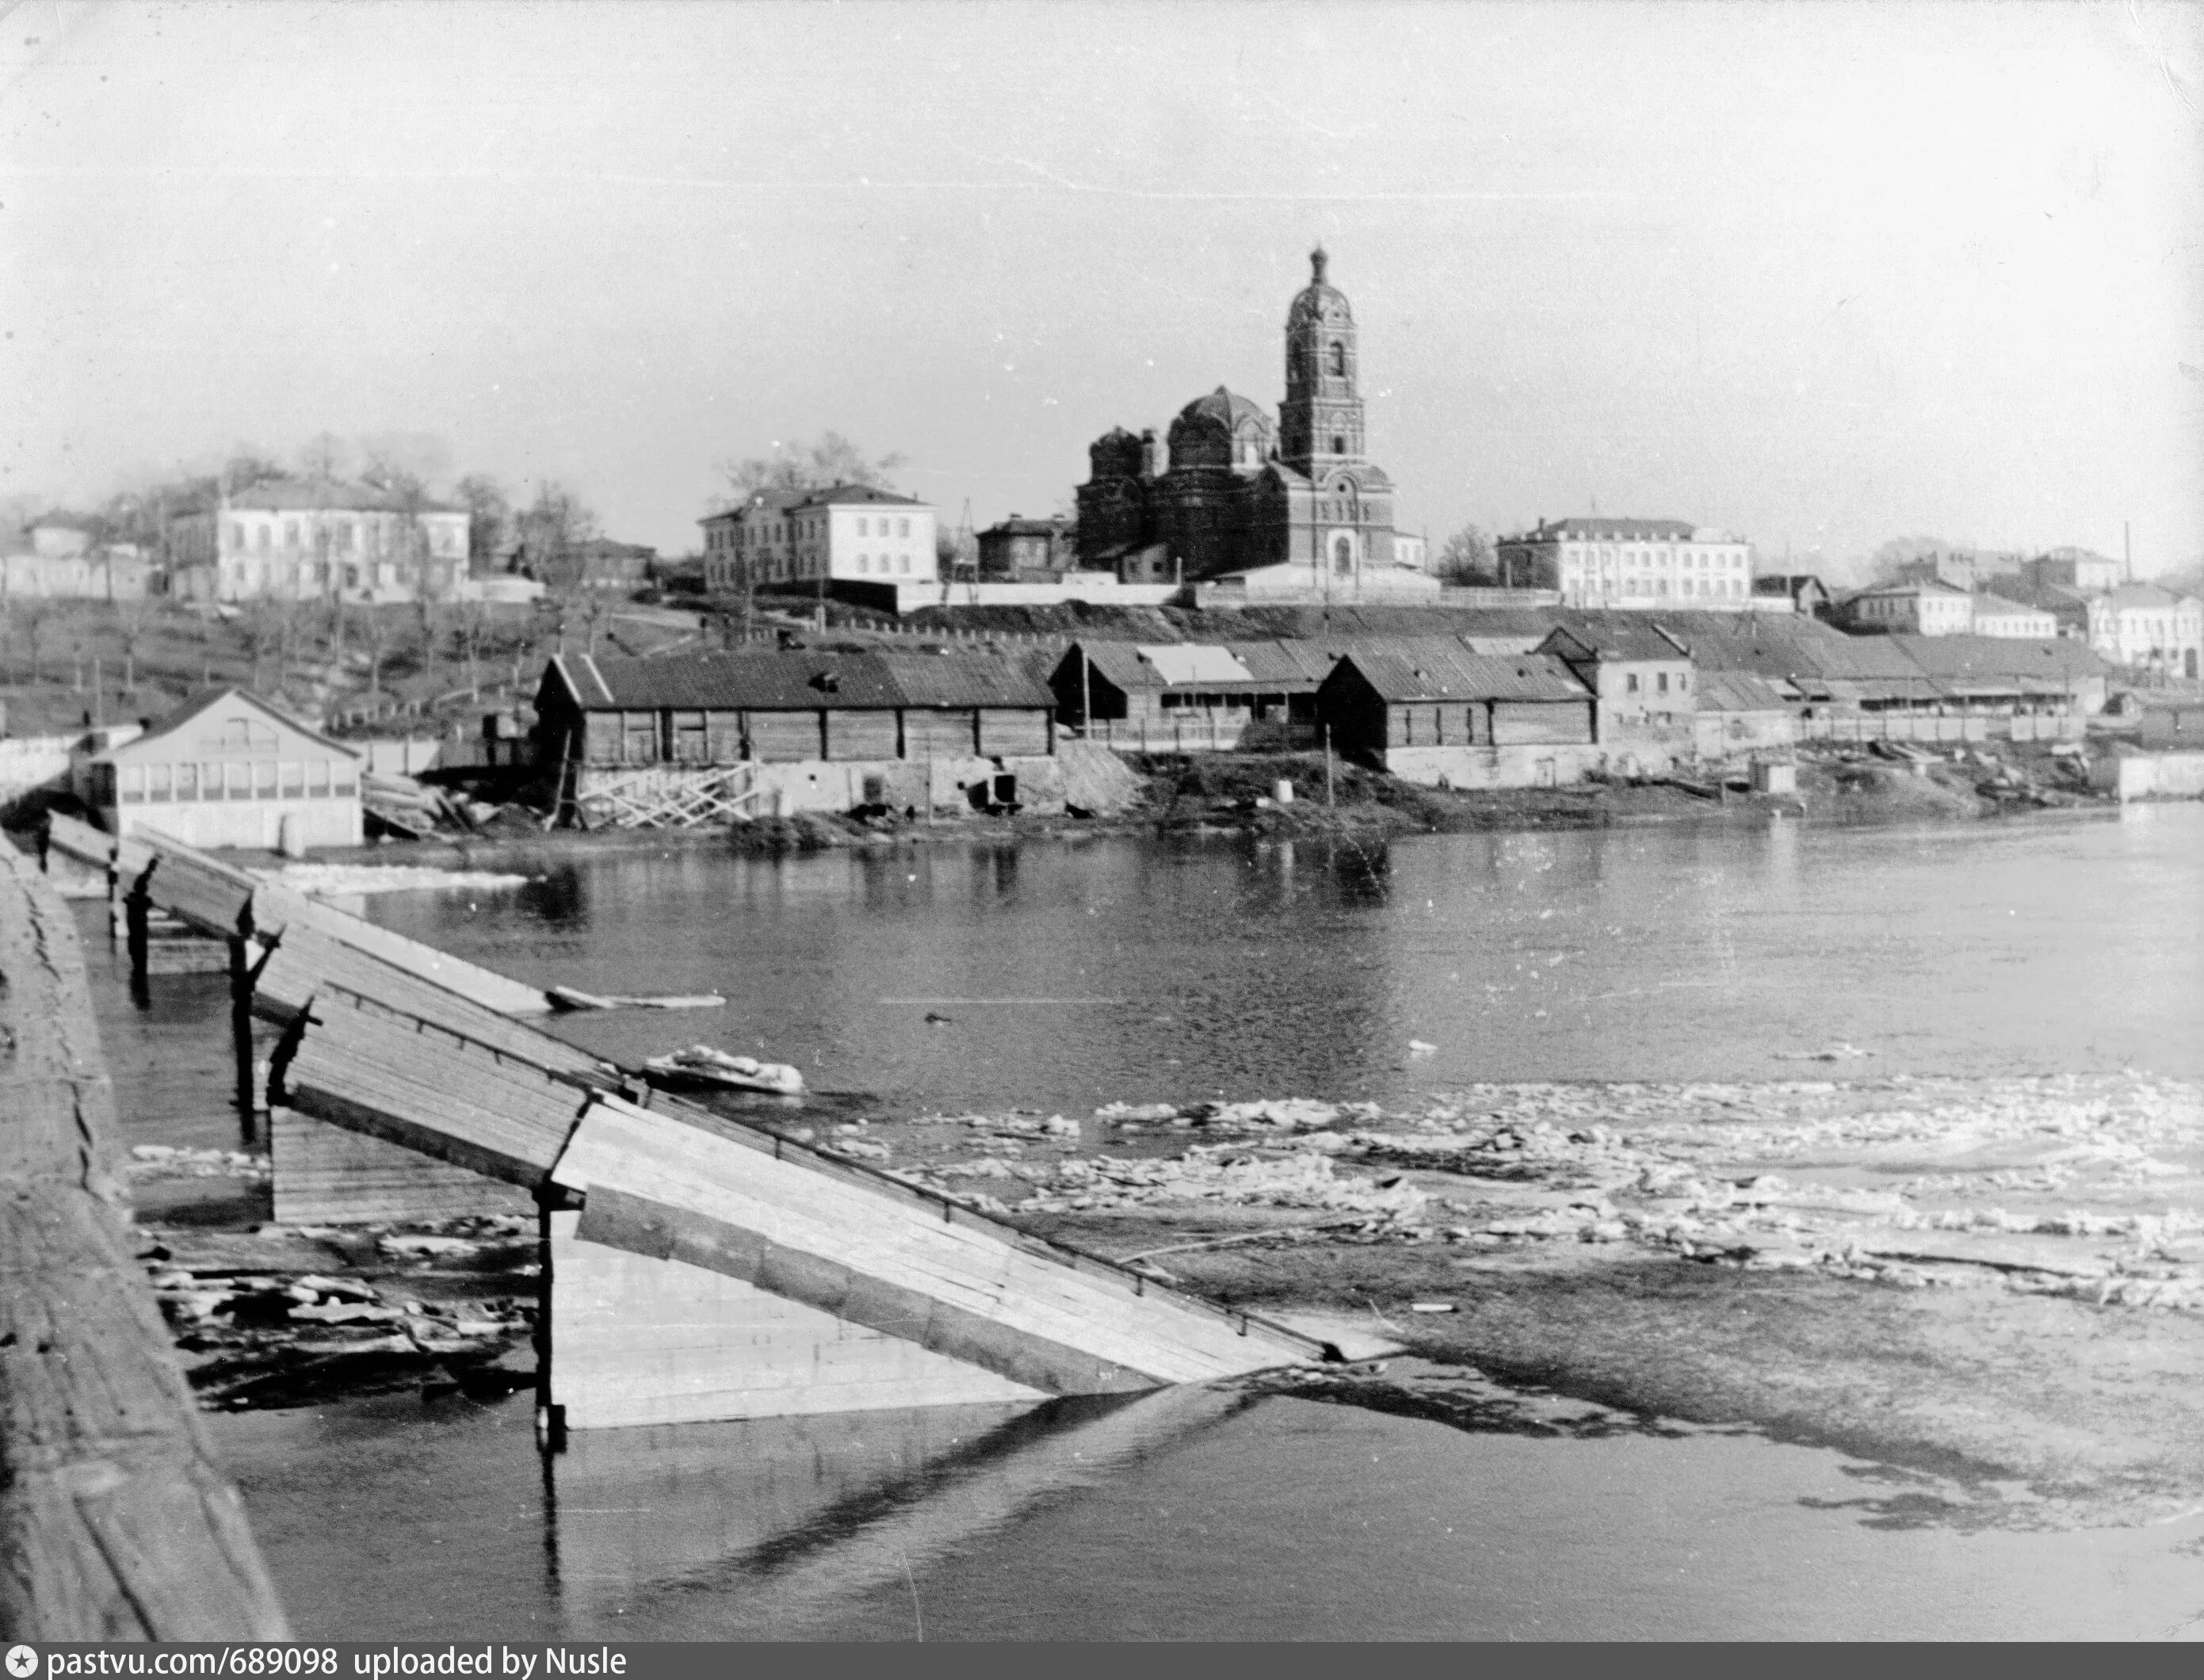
[(1233, 794)]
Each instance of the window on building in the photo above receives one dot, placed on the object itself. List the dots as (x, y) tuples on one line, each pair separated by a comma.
[(1630, 683), (209, 781), (902, 562), (861, 526), (1338, 445), (131, 782), (292, 782), (237, 780), (344, 781), (188, 781), (864, 565), (1338, 359), (318, 778), (902, 528)]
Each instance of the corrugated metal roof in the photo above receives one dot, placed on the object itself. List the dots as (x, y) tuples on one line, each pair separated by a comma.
[(1194, 662), (1610, 638), (1434, 672), (1738, 691), (800, 681), (1982, 658)]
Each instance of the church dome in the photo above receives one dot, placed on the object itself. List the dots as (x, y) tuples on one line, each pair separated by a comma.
[(1116, 455), (1318, 300), (1222, 429)]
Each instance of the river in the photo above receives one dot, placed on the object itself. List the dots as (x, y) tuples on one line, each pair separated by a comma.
[(1059, 978)]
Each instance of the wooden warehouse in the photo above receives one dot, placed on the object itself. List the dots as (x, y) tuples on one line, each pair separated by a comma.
[(704, 709), (1438, 693)]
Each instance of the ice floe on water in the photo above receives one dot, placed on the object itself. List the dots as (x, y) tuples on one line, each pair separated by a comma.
[(331, 880), (2087, 1186)]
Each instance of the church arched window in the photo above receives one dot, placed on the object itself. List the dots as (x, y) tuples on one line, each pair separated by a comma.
[(1342, 553), (1338, 359), (1338, 444)]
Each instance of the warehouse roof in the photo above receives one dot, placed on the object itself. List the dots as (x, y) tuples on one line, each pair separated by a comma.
[(1433, 672), (795, 682)]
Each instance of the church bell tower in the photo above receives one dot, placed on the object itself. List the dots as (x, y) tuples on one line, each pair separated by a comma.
[(1320, 422)]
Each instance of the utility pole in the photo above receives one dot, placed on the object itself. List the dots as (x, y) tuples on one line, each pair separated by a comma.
[(1327, 766), (1086, 696)]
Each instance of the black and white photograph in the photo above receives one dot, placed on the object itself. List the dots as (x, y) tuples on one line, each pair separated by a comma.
[(972, 822)]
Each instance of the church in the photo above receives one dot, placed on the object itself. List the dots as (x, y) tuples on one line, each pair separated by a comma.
[(1237, 497)]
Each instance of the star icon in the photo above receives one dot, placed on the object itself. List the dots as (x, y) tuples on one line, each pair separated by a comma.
[(22, 1662)]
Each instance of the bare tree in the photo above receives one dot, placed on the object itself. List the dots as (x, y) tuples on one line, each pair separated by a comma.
[(489, 517), (132, 618), (1465, 559), (326, 457), (374, 636), (832, 460), (35, 616), (264, 632)]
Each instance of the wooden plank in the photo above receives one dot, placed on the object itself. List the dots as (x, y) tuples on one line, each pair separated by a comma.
[(113, 1522), (414, 1085), (79, 840), (212, 895), (275, 908), (956, 1217), (638, 1341), (617, 1220), (304, 960), (327, 1175), (790, 1228)]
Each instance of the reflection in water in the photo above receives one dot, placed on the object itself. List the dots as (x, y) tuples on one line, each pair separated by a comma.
[(1183, 969), (1191, 1513)]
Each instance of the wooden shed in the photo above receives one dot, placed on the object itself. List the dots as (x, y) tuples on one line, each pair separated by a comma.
[(706, 709), (1438, 693), (227, 769)]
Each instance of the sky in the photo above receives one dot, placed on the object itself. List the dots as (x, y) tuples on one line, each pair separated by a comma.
[(1823, 274)]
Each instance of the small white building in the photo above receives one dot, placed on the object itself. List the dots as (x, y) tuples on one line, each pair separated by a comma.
[(1412, 551), (1922, 607), (1994, 615), (228, 770), (1657, 564), (849, 532)]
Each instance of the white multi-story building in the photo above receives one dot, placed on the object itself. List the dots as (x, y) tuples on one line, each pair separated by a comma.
[(300, 540), (850, 533), (1631, 562), (2149, 629), (1923, 607)]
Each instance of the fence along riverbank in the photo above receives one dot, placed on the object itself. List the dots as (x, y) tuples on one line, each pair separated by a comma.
[(115, 1522), (833, 1285)]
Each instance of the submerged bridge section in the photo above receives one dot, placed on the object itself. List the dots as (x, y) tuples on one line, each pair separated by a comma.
[(695, 1267)]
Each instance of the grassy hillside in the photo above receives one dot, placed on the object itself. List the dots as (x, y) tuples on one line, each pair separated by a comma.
[(64, 664)]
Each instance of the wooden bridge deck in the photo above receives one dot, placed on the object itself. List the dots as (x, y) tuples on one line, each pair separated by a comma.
[(115, 1522)]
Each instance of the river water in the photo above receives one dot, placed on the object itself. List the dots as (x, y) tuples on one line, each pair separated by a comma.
[(1062, 977)]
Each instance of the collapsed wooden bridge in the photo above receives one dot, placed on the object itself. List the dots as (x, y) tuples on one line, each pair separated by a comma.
[(694, 1267)]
